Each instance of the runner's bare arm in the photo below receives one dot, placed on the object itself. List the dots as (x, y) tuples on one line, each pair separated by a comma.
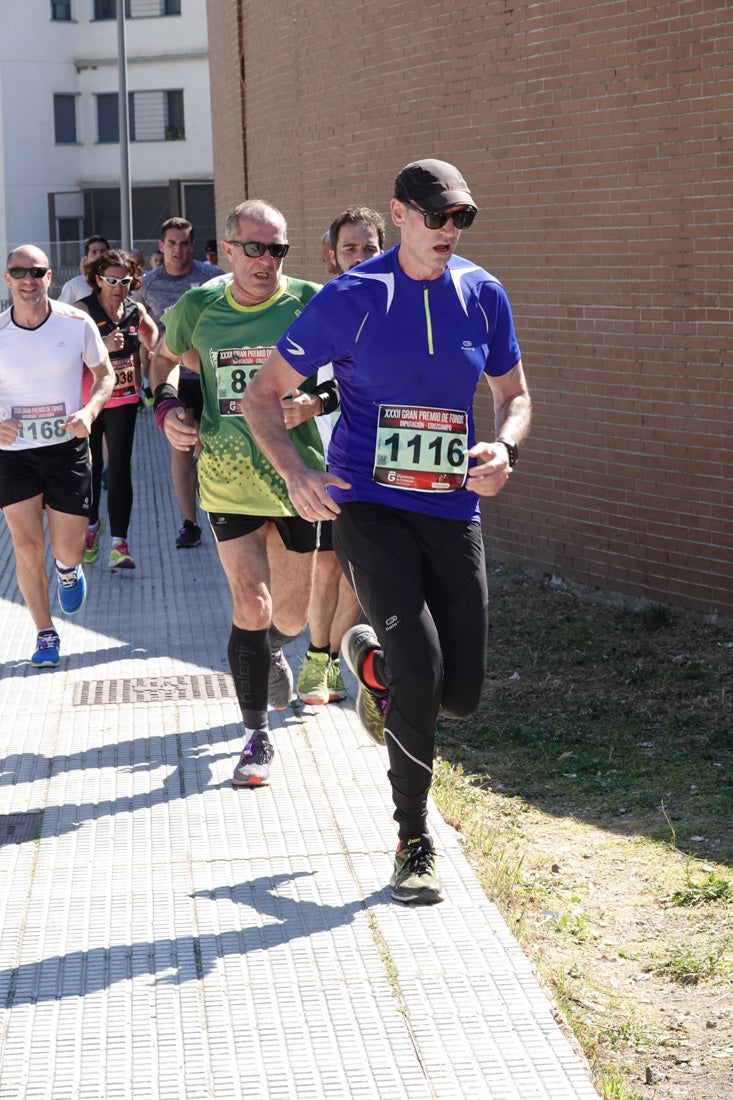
[(512, 417), (79, 424), (163, 366), (164, 371), (262, 409), (147, 328), (512, 404)]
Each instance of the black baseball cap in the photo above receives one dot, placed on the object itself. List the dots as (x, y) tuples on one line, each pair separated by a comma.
[(434, 184)]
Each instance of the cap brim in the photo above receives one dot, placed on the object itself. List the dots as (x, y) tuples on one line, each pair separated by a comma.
[(445, 199)]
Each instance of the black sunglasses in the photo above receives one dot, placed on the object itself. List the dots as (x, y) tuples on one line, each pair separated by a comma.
[(21, 272), (112, 280), (255, 249), (461, 218)]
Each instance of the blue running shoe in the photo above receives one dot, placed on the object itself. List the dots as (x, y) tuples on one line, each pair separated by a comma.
[(72, 589), (47, 650)]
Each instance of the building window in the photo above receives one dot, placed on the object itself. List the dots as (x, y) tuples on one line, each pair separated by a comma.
[(154, 116), (157, 116), (108, 121), (136, 9), (105, 9), (64, 119), (61, 10)]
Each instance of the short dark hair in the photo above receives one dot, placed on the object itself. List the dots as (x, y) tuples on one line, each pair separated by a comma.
[(94, 239), (357, 215), (176, 223)]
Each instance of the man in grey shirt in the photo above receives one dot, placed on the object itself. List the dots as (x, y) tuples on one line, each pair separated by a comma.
[(161, 289)]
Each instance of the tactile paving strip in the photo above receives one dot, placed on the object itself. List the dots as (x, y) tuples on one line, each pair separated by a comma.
[(168, 936)]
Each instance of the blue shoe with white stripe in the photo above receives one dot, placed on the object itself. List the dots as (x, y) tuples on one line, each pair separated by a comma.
[(72, 589), (47, 650)]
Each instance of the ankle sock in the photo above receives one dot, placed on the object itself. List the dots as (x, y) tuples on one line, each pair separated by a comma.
[(368, 673)]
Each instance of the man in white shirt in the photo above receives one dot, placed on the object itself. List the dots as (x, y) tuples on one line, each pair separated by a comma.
[(78, 287), (44, 428)]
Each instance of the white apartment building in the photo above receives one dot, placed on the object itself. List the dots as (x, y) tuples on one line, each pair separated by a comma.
[(59, 131)]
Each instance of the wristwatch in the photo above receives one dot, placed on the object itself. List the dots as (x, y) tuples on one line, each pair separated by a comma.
[(511, 449)]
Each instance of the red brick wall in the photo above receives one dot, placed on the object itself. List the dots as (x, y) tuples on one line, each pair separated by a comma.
[(596, 138)]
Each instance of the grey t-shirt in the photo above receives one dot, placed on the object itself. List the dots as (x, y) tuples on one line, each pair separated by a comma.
[(160, 291)]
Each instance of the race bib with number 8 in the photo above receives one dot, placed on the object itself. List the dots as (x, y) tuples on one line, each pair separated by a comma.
[(235, 369), (125, 385)]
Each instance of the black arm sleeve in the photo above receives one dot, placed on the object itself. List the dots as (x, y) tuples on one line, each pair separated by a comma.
[(328, 392)]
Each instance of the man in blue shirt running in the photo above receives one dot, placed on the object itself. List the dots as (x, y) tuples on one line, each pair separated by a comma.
[(410, 334)]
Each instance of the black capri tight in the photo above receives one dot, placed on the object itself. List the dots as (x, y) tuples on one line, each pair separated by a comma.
[(117, 425), (421, 582)]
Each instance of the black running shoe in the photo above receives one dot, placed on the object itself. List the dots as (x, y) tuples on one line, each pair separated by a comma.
[(189, 536), (253, 768)]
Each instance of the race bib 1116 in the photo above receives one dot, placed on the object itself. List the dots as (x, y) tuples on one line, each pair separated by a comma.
[(419, 448)]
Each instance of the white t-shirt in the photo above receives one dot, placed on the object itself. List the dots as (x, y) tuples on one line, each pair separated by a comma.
[(73, 291), (41, 371)]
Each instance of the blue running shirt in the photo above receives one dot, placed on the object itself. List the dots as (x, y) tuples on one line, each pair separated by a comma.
[(408, 357)]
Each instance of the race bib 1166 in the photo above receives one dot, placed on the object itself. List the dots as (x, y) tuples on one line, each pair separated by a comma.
[(41, 423)]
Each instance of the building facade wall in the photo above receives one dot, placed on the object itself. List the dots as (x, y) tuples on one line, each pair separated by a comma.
[(596, 138), (80, 58)]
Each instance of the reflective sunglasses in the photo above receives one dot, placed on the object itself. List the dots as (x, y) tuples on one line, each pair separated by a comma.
[(255, 249), (461, 218), (21, 272), (111, 280)]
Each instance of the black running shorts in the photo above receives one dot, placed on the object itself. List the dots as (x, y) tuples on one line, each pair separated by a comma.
[(297, 534), (325, 534), (61, 474)]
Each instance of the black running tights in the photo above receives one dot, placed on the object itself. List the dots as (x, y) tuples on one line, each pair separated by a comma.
[(118, 426), (421, 582)]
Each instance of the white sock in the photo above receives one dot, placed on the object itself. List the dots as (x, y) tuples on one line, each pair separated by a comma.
[(249, 734)]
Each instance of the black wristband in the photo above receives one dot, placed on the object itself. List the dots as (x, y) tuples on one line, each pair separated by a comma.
[(164, 392), (328, 392), (512, 451)]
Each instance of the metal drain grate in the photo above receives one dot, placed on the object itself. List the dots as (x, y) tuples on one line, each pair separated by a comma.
[(153, 689), (19, 828)]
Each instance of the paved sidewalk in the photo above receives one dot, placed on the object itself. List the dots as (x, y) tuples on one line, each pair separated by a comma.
[(164, 935)]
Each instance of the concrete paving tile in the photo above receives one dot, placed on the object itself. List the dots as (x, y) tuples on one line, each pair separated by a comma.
[(165, 935)]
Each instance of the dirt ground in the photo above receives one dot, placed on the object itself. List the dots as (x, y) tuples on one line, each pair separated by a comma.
[(600, 769), (674, 1039)]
